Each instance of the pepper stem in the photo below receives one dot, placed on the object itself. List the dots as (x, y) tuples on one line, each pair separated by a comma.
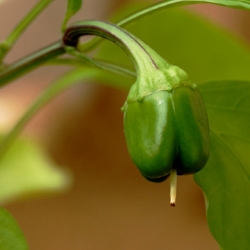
[(173, 187)]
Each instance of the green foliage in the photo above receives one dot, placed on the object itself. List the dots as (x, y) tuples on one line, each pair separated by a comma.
[(11, 237), (226, 177)]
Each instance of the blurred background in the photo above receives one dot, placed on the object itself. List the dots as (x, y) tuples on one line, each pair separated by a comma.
[(110, 206)]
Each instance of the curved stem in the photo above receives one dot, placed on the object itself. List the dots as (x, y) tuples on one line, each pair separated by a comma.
[(30, 62), (143, 57)]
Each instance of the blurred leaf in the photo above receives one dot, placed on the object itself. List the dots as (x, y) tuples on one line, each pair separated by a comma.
[(226, 177), (73, 7), (203, 50), (11, 237), (26, 170)]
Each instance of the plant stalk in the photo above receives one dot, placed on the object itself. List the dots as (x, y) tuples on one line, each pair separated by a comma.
[(30, 62)]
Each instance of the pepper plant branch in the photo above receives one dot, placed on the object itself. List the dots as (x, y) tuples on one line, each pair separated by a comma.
[(49, 55), (30, 62), (71, 38), (7, 44), (135, 49)]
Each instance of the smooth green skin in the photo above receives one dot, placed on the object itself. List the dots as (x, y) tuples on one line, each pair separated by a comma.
[(192, 130), (149, 127), (167, 130)]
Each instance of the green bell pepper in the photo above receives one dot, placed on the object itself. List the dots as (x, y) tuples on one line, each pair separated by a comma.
[(167, 130)]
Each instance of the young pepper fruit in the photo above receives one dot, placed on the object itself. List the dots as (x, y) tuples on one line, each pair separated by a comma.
[(167, 130), (165, 119), (167, 133)]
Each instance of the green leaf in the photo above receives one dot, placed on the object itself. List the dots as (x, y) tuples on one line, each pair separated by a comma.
[(225, 179), (73, 7), (11, 237), (203, 50), (26, 170)]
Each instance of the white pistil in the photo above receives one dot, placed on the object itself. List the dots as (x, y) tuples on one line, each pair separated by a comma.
[(173, 187)]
